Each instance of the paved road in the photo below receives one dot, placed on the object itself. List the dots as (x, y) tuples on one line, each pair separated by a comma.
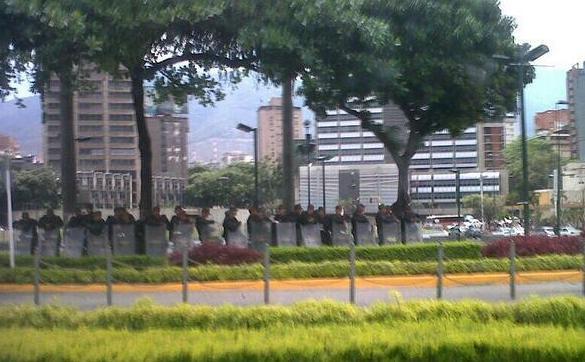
[(365, 296)]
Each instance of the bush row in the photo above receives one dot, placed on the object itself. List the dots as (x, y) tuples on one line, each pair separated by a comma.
[(293, 270), (408, 252), (87, 262), (534, 245), (560, 311), (232, 256), (413, 341)]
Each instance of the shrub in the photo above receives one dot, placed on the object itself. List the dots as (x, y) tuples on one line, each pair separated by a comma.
[(534, 245), (218, 254), (87, 262), (293, 270), (408, 252)]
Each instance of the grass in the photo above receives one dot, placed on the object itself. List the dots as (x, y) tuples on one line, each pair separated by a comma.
[(293, 270), (441, 340), (531, 330), (567, 312)]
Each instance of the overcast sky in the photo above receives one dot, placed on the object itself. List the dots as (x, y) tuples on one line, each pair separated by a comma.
[(560, 24)]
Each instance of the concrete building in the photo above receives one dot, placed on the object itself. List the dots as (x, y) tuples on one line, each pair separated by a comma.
[(491, 141), (9, 145), (560, 139), (168, 137), (105, 127), (478, 148), (551, 119), (576, 106), (511, 125), (229, 158), (270, 129), (369, 184)]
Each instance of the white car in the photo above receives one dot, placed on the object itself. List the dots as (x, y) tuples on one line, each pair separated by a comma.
[(570, 231)]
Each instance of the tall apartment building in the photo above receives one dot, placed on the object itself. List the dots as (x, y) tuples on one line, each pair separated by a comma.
[(551, 119), (576, 100), (270, 129), (511, 132), (105, 127), (491, 137)]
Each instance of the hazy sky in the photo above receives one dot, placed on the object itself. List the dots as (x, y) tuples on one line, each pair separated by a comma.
[(560, 24)]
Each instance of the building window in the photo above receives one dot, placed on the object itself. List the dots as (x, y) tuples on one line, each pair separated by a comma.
[(121, 117), (121, 139), (90, 117), (122, 128)]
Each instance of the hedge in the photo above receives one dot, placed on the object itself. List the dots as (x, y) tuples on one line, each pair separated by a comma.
[(293, 270), (86, 262), (535, 245), (442, 340), (408, 252), (560, 311)]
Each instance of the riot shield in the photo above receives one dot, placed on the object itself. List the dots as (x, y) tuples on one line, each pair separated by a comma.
[(23, 241), (311, 235), (210, 233), (49, 242), (237, 239), (97, 245), (364, 234), (286, 234), (123, 239), (413, 232), (341, 234), (260, 234), (390, 232), (73, 242), (156, 240), (182, 236)]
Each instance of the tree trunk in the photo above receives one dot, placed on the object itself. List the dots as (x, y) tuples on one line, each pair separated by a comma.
[(68, 159), (145, 205), (401, 208), (288, 167)]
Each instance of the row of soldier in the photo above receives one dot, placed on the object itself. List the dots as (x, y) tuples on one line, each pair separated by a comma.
[(87, 233)]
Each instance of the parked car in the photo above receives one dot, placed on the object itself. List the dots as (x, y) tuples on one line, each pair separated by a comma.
[(434, 232), (570, 231), (545, 231)]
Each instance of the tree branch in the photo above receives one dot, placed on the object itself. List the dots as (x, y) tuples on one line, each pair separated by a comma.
[(195, 57)]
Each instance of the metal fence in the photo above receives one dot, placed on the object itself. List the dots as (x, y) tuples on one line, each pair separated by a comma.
[(441, 280)]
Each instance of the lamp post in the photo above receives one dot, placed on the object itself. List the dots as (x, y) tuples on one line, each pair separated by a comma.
[(559, 170), (307, 125), (525, 60), (244, 128), (322, 159), (9, 212), (457, 173)]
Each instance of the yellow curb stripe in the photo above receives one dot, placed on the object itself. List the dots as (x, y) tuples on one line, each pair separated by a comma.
[(302, 284)]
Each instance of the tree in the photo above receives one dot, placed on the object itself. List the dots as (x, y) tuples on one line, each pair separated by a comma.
[(541, 163), (433, 59), (38, 188), (53, 37), (493, 207), (233, 185), (175, 44)]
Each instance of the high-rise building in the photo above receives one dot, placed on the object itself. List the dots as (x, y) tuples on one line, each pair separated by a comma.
[(9, 145), (476, 151), (576, 100), (270, 129), (510, 123), (106, 135), (551, 119)]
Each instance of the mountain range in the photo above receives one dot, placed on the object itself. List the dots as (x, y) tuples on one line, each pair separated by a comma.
[(213, 128)]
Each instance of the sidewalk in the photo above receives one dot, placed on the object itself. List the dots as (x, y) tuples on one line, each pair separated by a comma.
[(421, 281)]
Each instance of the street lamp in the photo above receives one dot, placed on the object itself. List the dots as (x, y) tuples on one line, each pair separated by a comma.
[(244, 128), (322, 159), (559, 170), (524, 61), (457, 173), (9, 211)]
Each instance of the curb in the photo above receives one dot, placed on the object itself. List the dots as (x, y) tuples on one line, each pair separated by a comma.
[(418, 281)]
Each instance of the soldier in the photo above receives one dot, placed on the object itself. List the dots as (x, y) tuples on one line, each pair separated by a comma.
[(28, 228), (51, 225), (203, 224), (156, 218), (309, 217), (359, 217), (230, 224), (77, 220)]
